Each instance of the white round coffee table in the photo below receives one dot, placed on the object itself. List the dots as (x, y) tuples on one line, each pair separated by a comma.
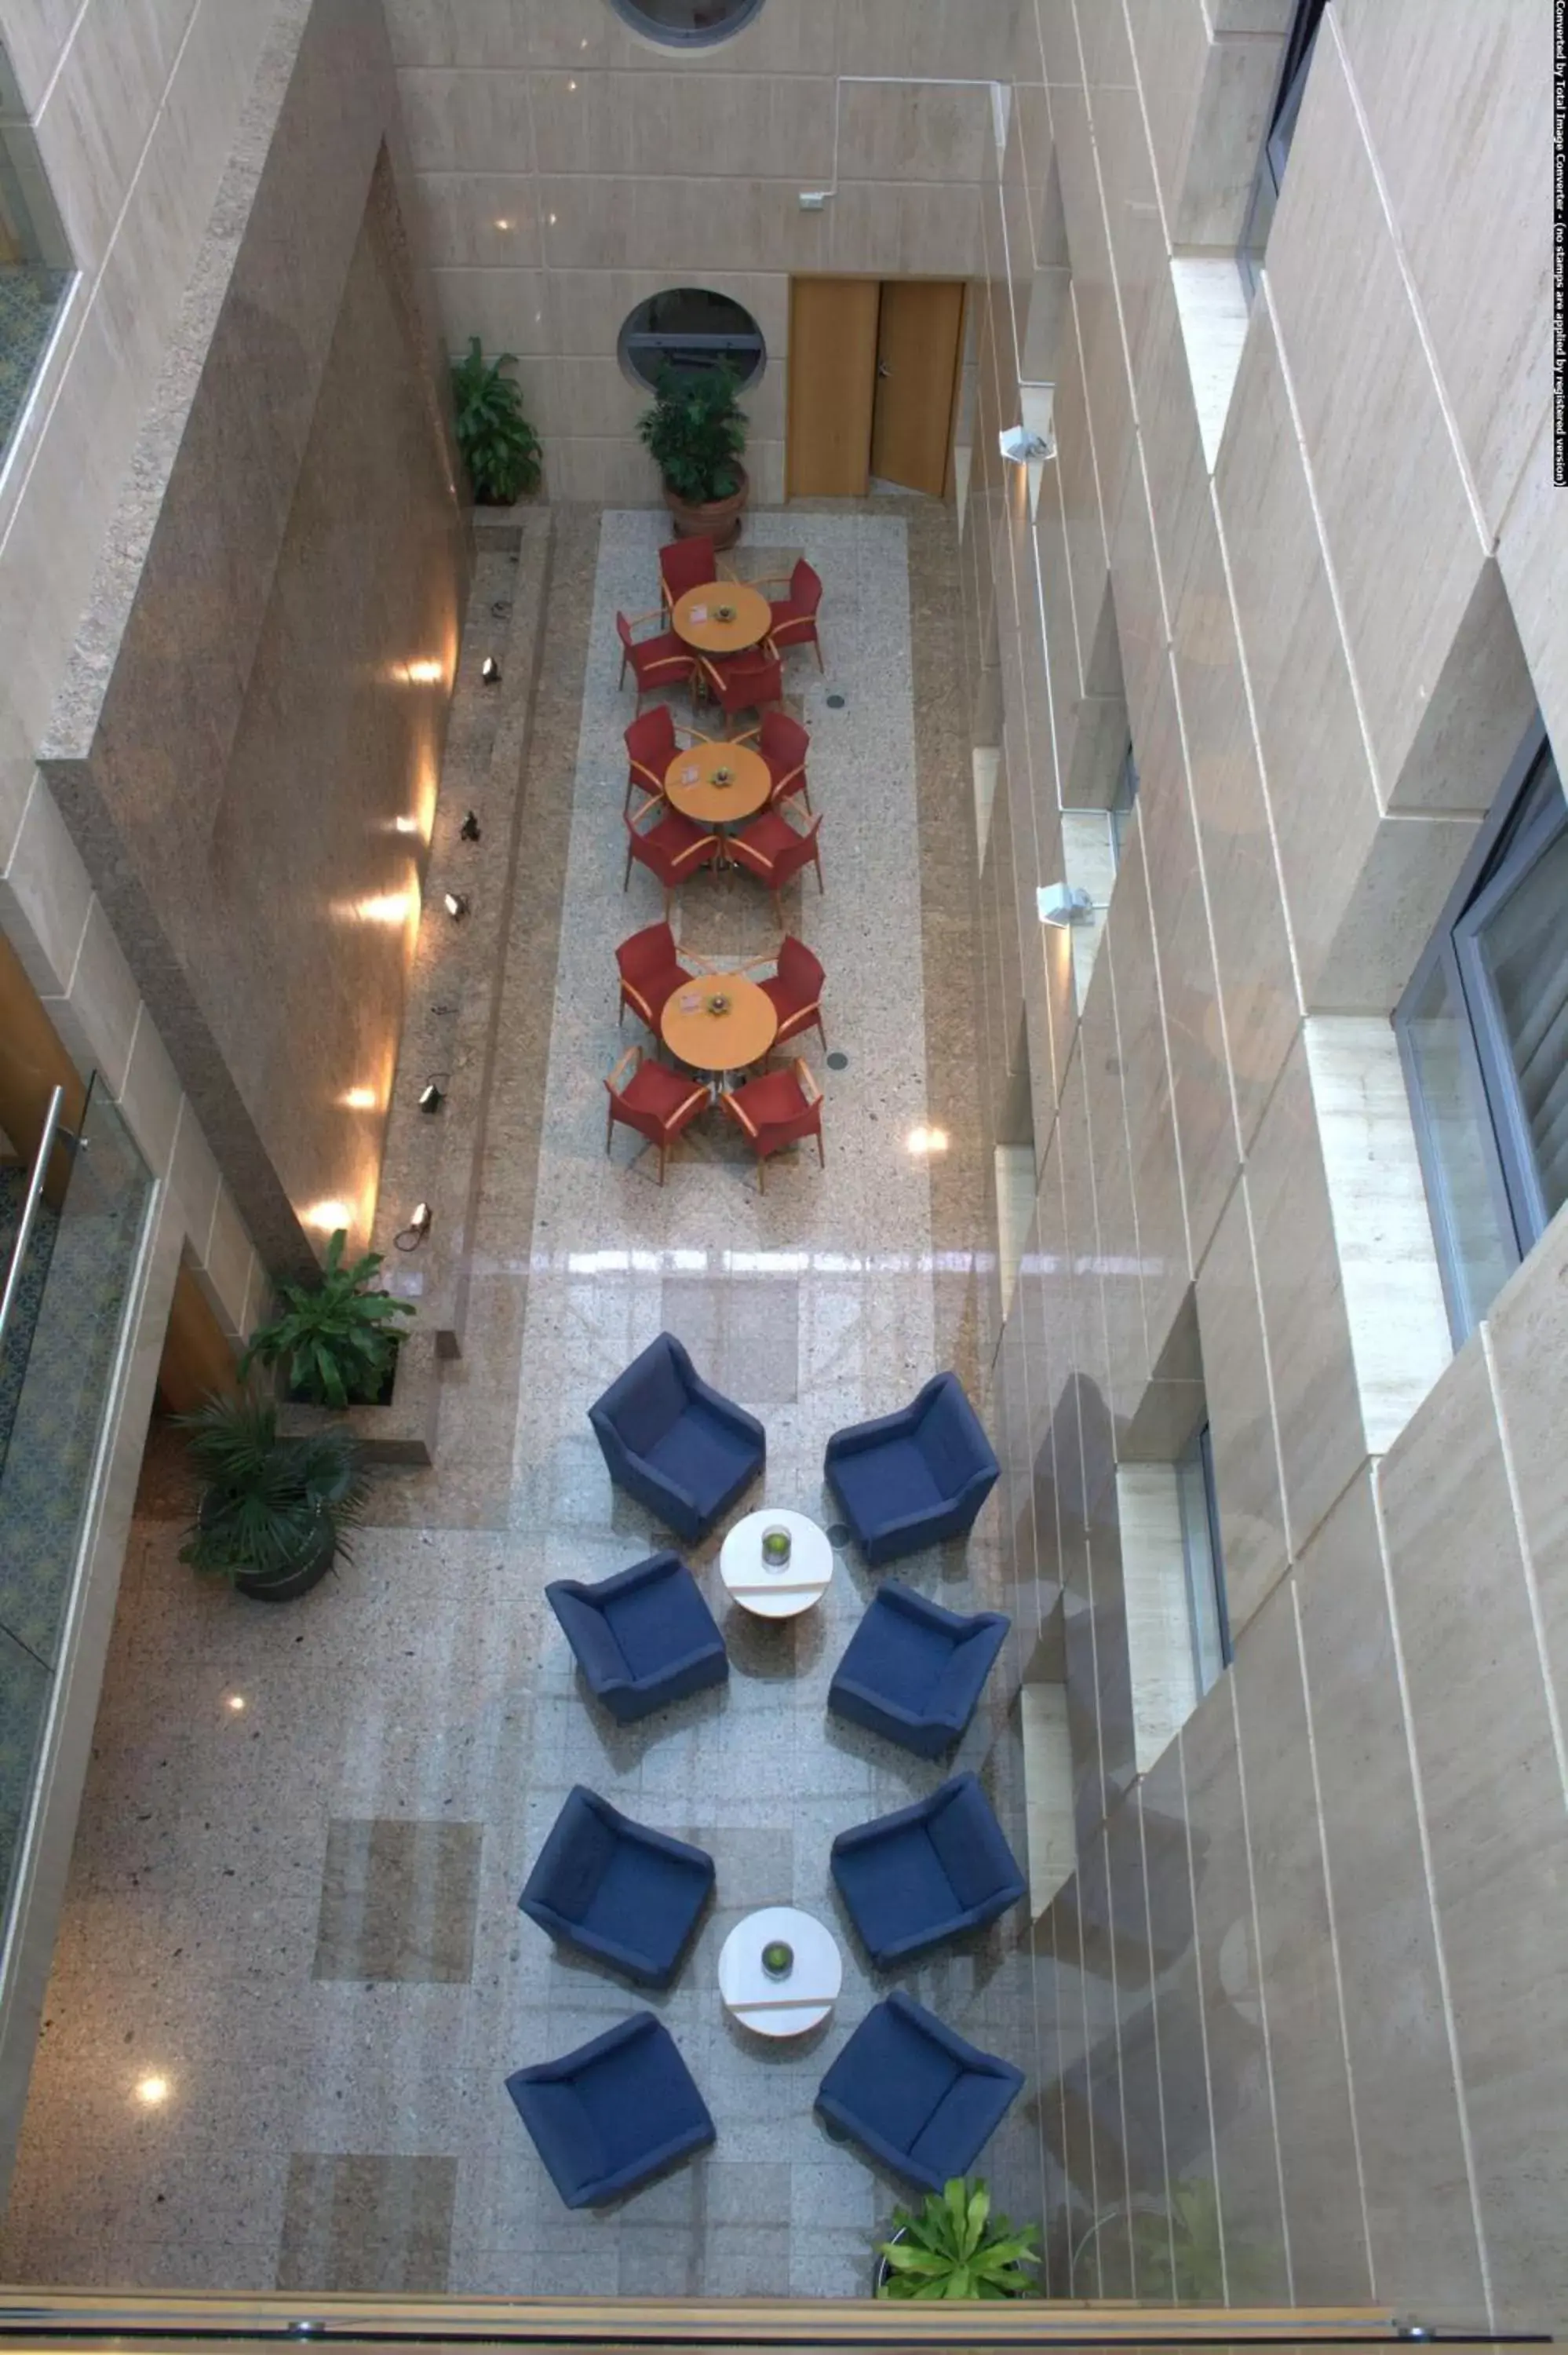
[(776, 1593), (786, 2006)]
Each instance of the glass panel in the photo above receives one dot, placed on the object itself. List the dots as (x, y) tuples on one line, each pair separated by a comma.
[(1523, 951), (688, 327), (35, 261), (1122, 802), (692, 21), (1200, 1542), (1463, 1181), (93, 1225)]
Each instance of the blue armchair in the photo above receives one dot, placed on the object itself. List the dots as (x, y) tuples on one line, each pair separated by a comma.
[(613, 2113), (914, 1671), (643, 1638), (629, 1895), (914, 2095), (675, 1445), (911, 1479), (926, 1872)]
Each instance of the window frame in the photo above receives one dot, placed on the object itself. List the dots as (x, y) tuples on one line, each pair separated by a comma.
[(630, 339), (1511, 842), (696, 38)]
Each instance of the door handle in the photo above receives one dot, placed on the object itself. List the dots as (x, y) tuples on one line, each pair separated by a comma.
[(883, 368)]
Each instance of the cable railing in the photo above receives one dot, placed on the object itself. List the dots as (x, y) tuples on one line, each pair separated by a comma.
[(34, 1196)]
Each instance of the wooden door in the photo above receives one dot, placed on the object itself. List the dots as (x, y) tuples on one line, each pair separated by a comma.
[(919, 341), (832, 386)]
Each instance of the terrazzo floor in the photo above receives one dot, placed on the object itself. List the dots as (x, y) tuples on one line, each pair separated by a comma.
[(291, 1978)]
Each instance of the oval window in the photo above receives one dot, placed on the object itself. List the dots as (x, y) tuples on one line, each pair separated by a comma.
[(686, 24), (687, 327)]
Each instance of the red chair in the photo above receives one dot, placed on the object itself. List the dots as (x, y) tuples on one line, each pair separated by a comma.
[(656, 1102), (743, 682), (651, 972), (778, 1108), (651, 744), (671, 847), (661, 661), (773, 850), (783, 744), (686, 564), (796, 990), (795, 615)]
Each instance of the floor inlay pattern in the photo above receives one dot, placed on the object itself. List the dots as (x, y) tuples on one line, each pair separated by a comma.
[(428, 1688)]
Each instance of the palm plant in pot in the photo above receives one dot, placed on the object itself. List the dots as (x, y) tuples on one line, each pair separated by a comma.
[(275, 1513), (956, 2248), (338, 1338), (695, 433), (500, 448)]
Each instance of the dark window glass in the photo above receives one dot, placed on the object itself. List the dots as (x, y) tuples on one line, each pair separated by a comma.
[(687, 23), (1483, 1030), (687, 327), (1122, 800), (1206, 1613), (1289, 91)]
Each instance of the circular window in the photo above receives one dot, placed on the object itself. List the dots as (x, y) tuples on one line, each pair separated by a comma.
[(686, 328), (686, 24)]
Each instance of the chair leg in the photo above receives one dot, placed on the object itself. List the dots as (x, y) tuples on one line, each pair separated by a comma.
[(762, 1173), (663, 1150), (821, 1032), (817, 646), (821, 1157), (622, 680), (817, 863), (610, 1128), (626, 878), (806, 797)]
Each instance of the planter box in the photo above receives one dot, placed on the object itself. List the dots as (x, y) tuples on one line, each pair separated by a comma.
[(402, 1432)]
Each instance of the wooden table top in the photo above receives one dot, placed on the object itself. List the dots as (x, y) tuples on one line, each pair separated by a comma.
[(695, 617), (720, 1043), (689, 781)]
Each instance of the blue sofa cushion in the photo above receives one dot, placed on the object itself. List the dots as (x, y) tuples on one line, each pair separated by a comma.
[(970, 1847), (901, 2075), (896, 1887), (702, 1453), (575, 1866), (895, 1655), (650, 1900), (664, 1620), (565, 2134), (947, 1440), (962, 1680), (962, 2122), (885, 1483)]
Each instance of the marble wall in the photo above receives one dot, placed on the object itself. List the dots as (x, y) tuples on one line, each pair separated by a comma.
[(247, 747), (1297, 2026), (569, 167)]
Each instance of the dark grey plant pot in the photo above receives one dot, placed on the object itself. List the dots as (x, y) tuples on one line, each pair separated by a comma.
[(882, 2267)]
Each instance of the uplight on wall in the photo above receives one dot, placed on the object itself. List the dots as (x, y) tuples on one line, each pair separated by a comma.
[(327, 1217), (456, 904), (1061, 904)]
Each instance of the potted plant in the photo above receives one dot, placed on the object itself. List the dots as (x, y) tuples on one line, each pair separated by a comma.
[(274, 1513), (694, 433), (955, 2248), (339, 1337), (500, 448)]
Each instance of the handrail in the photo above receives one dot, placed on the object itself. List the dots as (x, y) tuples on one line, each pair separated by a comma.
[(176, 2319), (30, 1207)]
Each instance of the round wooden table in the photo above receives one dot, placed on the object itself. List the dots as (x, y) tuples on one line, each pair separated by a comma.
[(695, 617), (689, 782), (718, 1042)]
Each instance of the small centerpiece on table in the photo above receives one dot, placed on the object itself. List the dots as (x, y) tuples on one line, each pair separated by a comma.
[(777, 1958), (723, 613), (718, 1003), (776, 1549)]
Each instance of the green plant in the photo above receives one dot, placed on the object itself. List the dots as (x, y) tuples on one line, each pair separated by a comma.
[(695, 432), (337, 1336), (956, 2248), (270, 1505), (1190, 2240), (500, 448)]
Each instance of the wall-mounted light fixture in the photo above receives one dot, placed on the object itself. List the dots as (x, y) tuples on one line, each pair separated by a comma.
[(490, 671), (456, 904), (468, 831), (411, 1236), (1059, 904), (432, 1098)]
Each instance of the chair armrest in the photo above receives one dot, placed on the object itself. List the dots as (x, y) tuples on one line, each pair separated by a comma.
[(633, 1056), (880, 1702), (650, 801), (861, 1835), (668, 1668), (735, 1112), (809, 1087), (771, 581), (871, 1434), (654, 613), (703, 848), (749, 737)]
